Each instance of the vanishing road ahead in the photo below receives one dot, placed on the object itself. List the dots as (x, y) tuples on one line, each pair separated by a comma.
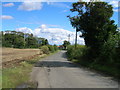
[(56, 72)]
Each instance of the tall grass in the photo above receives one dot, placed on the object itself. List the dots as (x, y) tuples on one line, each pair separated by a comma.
[(18, 74), (76, 53)]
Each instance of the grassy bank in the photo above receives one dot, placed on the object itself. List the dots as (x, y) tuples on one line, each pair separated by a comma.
[(16, 75), (82, 56), (19, 74), (111, 71)]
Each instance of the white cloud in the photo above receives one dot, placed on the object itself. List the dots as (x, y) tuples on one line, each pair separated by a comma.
[(114, 3), (116, 9), (6, 17), (54, 35), (24, 30), (8, 5), (43, 26), (30, 6)]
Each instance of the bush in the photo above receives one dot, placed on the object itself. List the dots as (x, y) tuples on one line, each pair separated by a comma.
[(51, 48), (45, 49), (108, 51), (77, 53), (55, 47)]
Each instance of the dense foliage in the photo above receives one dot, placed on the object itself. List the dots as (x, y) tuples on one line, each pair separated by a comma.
[(45, 49), (93, 20), (21, 40), (65, 44), (77, 53), (49, 49), (102, 50)]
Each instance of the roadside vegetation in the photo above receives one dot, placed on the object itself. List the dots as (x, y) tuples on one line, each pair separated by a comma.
[(19, 73), (81, 55), (102, 38)]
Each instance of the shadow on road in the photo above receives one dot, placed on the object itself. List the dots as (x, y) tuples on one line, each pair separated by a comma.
[(54, 64), (57, 60), (64, 55)]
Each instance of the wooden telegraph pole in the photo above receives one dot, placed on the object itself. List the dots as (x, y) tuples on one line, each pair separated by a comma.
[(69, 38), (76, 39)]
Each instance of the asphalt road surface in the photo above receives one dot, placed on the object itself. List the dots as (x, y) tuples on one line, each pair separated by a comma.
[(56, 72)]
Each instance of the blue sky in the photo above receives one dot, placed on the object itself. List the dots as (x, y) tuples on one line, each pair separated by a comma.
[(49, 14), (42, 17)]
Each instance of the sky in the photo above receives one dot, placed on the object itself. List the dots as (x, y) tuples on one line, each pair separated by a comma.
[(43, 19)]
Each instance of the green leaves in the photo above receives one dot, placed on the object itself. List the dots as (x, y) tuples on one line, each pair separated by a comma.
[(65, 44), (22, 40), (93, 20)]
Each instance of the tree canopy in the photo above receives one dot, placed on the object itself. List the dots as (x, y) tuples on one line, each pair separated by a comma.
[(93, 20), (66, 43), (21, 40)]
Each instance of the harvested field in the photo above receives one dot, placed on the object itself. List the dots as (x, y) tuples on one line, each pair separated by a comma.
[(11, 54)]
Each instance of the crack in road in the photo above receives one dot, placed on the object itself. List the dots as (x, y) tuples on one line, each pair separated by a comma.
[(47, 75)]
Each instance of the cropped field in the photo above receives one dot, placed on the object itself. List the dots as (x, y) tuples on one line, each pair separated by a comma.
[(9, 54)]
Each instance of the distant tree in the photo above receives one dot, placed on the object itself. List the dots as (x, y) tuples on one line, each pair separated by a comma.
[(55, 47), (31, 42), (65, 44), (21, 40), (46, 42)]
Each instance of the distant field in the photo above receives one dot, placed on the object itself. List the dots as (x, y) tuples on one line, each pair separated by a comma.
[(10, 54)]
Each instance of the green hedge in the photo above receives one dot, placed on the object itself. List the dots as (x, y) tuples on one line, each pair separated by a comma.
[(109, 64), (49, 49), (45, 49), (77, 53)]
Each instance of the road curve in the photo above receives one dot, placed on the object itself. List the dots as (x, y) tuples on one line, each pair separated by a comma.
[(56, 72)]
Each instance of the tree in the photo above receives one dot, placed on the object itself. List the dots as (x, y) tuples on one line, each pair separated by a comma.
[(93, 20), (31, 42), (46, 42), (65, 44), (21, 40), (55, 47)]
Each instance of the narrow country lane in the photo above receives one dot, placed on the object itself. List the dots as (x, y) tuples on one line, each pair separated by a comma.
[(56, 72)]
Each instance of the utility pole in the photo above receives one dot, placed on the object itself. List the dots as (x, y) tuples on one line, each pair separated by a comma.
[(76, 39), (69, 37)]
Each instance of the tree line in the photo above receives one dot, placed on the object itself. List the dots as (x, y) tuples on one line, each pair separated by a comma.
[(102, 38), (21, 40)]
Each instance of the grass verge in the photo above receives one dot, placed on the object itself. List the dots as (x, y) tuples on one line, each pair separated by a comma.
[(16, 75), (108, 70)]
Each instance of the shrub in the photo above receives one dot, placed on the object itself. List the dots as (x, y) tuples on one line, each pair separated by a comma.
[(108, 51), (45, 49), (51, 48), (77, 53), (55, 47)]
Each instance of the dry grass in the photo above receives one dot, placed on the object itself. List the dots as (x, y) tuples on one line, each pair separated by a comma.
[(10, 54), (17, 65)]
